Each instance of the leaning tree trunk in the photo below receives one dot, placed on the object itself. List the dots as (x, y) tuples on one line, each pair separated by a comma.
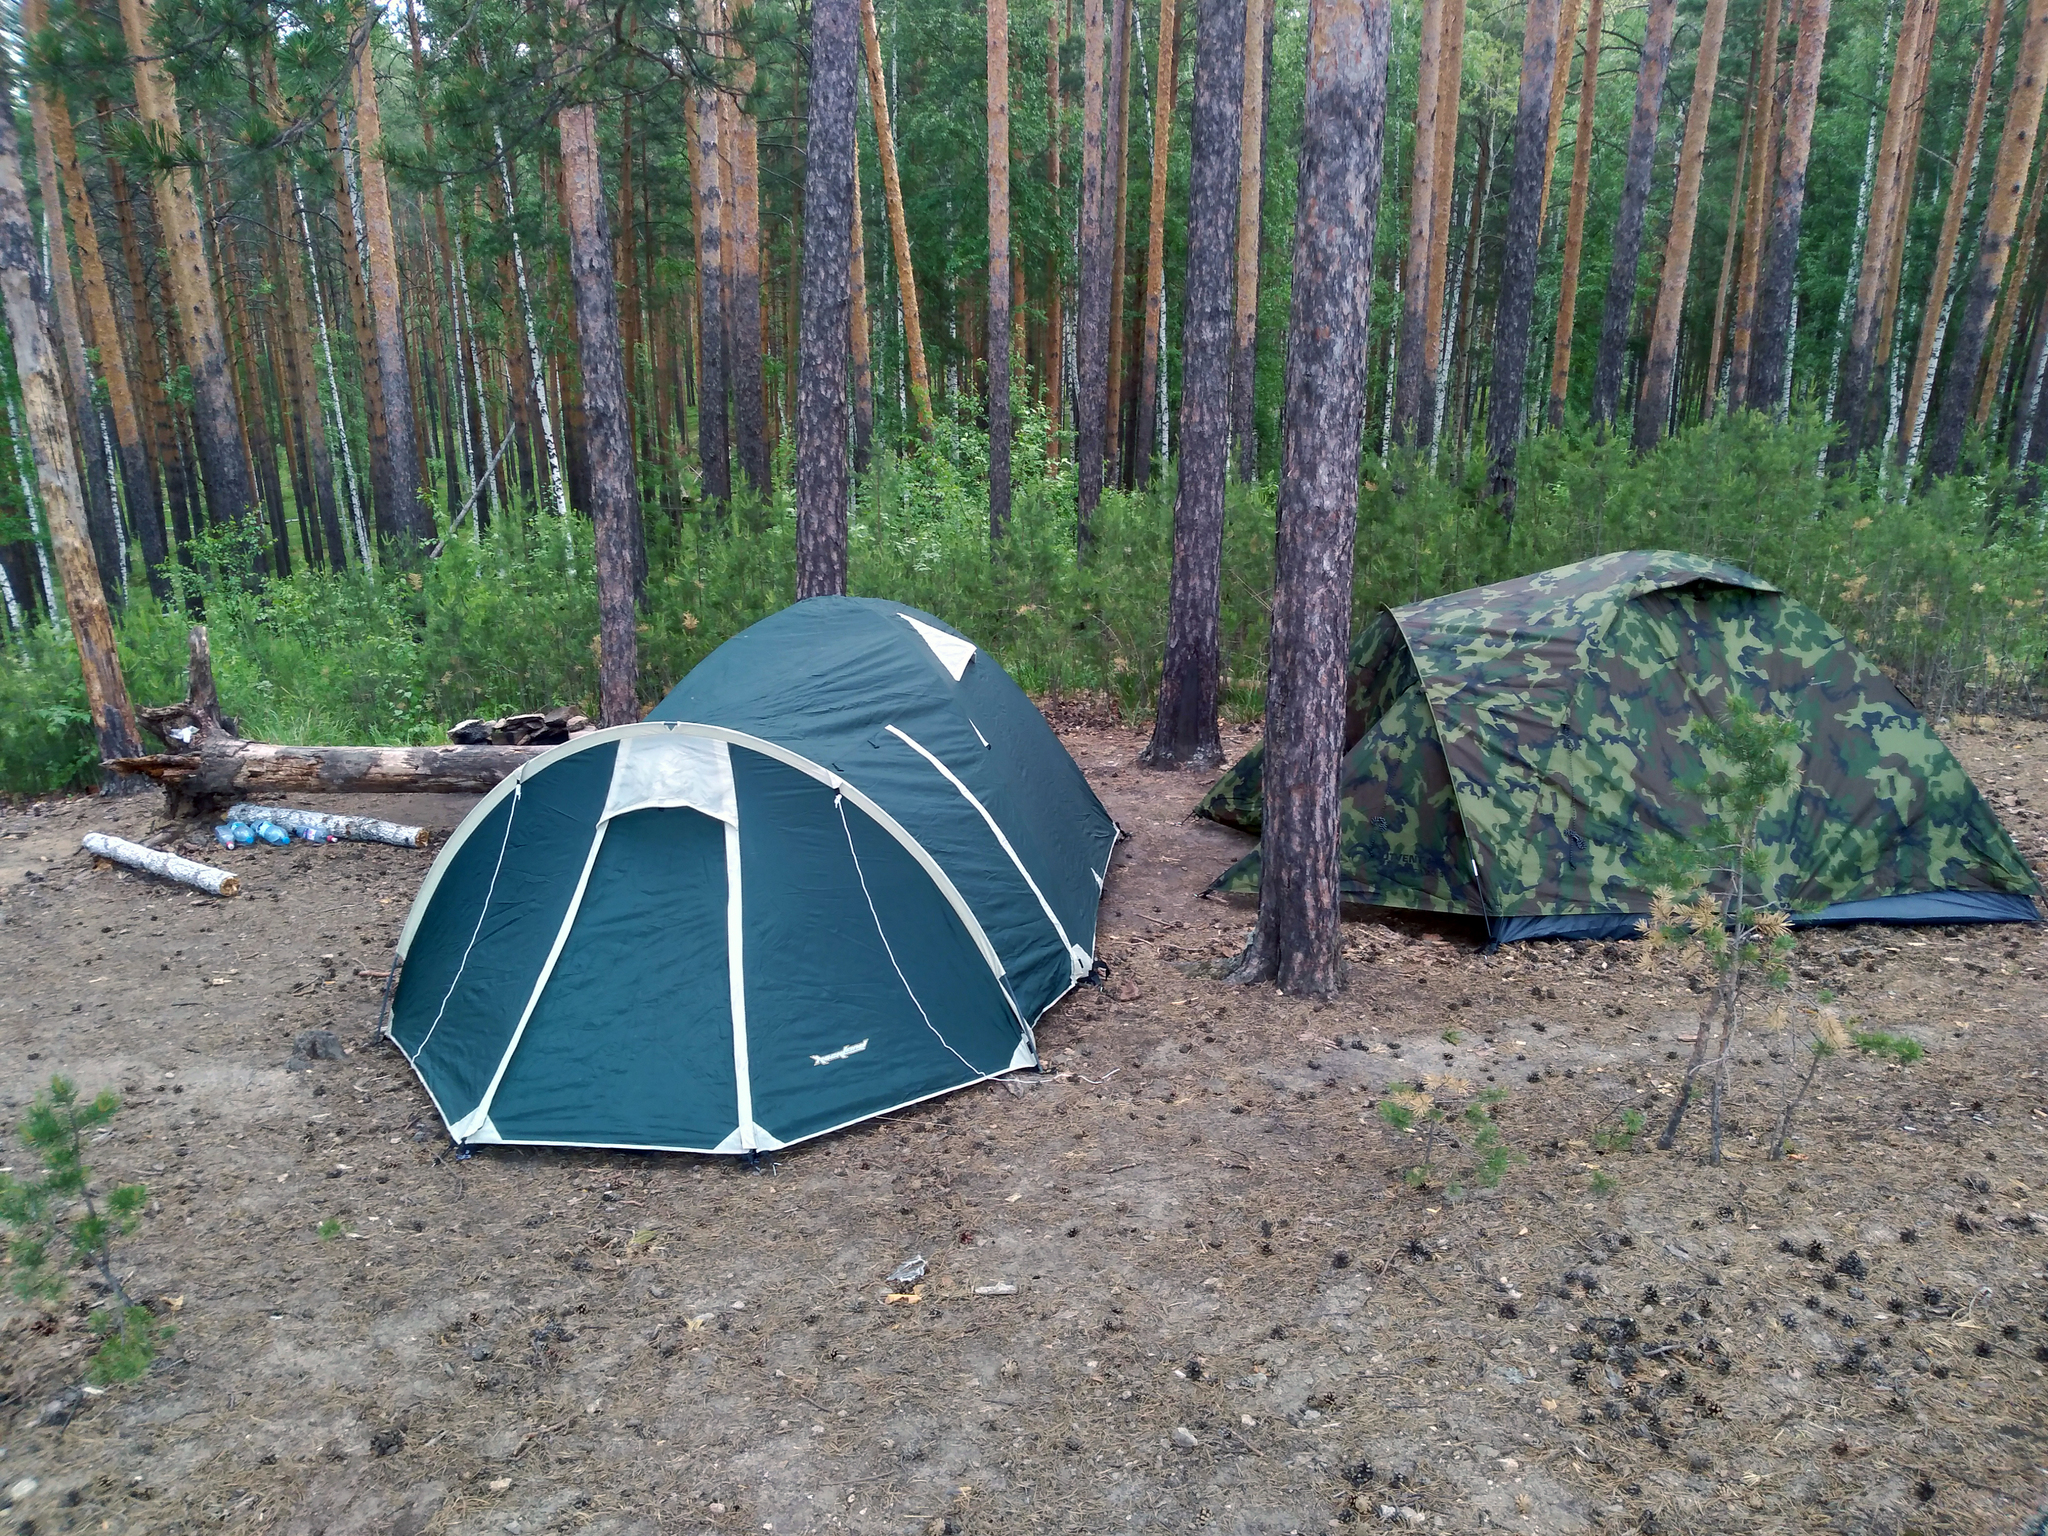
[(823, 488), (409, 515), (1994, 242), (1515, 304), (1756, 218), (1628, 219), (1185, 731), (899, 230), (1653, 409), (614, 484), (1091, 341), (1250, 185), (1772, 327), (49, 434), (1415, 376), (1164, 79), (1296, 941), (1575, 222), (998, 265)]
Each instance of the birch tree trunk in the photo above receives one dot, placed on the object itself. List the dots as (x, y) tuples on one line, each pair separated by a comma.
[(1416, 357), (1756, 218), (1514, 308), (1654, 407), (49, 435), (1184, 734), (1296, 939), (899, 231), (1250, 185), (1152, 325), (823, 487), (998, 266), (1770, 361), (1575, 222), (1994, 241), (714, 452), (1629, 215)]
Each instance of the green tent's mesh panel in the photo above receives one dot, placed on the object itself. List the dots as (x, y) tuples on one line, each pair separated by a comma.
[(465, 983), (631, 1041)]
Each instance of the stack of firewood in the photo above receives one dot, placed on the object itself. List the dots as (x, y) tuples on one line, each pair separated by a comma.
[(542, 728)]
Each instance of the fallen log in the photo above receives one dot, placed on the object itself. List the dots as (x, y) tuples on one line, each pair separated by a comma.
[(227, 768), (169, 866), (351, 829)]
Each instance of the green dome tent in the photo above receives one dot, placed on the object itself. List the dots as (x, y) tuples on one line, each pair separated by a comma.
[(845, 865), (1512, 753)]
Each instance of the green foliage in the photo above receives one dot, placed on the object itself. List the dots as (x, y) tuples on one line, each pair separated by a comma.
[(1446, 1112), (1620, 1136), (55, 1224), (1903, 1049), (1602, 1183), (330, 1229)]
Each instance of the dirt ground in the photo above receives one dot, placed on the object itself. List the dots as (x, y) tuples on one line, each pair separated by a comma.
[(1230, 1312)]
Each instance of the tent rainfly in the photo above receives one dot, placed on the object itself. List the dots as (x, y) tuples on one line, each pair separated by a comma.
[(1514, 752), (844, 866)]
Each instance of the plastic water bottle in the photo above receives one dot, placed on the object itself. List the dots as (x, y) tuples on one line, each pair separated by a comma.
[(235, 834), (224, 834), (273, 834), (315, 835)]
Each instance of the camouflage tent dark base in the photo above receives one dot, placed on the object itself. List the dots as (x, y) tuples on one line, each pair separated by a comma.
[(1516, 753)]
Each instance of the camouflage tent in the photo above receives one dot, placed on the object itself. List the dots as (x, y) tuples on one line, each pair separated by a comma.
[(1513, 753)]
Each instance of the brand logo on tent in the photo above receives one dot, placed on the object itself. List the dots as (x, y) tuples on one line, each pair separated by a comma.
[(841, 1054)]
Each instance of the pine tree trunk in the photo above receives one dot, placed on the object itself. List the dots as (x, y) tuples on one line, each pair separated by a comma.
[(863, 346), (1450, 97), (1575, 221), (1250, 185), (614, 486), (249, 394), (1920, 381), (1091, 340), (1297, 941), (1151, 324), (626, 259), (2009, 306), (1560, 89), (714, 453), (1743, 169), (1654, 407), (743, 296), (1994, 241), (823, 486), (408, 516), (899, 231), (1055, 332), (371, 374), (160, 442), (49, 435), (1770, 357), (1118, 185), (1514, 309), (143, 496), (1459, 338), (1416, 359), (1756, 218), (998, 267), (1856, 412), (1629, 216), (1184, 734)]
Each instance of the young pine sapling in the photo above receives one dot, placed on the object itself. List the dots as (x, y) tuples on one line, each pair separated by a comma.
[(1444, 1110)]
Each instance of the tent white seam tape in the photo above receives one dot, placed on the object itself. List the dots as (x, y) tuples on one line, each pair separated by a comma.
[(737, 980), (413, 1056), (470, 1122), (1075, 956), (839, 805)]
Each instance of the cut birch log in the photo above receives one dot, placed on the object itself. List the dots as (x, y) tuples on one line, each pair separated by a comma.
[(154, 861), (351, 829)]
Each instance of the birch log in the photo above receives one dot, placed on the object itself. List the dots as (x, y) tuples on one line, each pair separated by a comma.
[(349, 829), (154, 861)]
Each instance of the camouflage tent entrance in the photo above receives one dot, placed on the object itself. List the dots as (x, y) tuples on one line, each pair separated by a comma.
[(1513, 751)]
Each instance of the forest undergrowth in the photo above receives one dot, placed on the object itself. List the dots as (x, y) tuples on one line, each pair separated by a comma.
[(1946, 589)]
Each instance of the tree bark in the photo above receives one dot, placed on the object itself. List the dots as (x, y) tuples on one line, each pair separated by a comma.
[(1091, 341), (1514, 307), (227, 768), (1994, 241), (49, 435), (1416, 359), (2009, 305), (1165, 76), (614, 485), (1560, 89), (1118, 185), (1628, 219), (1250, 186), (1296, 940), (1653, 409), (1450, 102), (1185, 732), (1773, 321), (823, 487), (1743, 170), (863, 346), (1575, 221), (1890, 203), (409, 516), (714, 452), (1755, 220), (743, 298), (371, 373), (998, 267), (899, 231)]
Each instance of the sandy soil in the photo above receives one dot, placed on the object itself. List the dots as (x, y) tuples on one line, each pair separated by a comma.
[(1230, 1314)]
